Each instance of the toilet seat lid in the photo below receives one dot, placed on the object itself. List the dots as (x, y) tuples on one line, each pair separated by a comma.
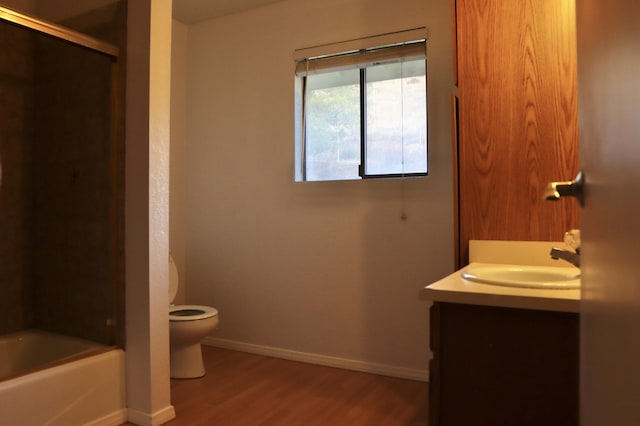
[(173, 279)]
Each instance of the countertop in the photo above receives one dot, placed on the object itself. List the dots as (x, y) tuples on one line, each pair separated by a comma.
[(455, 289)]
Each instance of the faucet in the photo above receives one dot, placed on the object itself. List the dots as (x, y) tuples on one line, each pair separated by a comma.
[(571, 239), (566, 255)]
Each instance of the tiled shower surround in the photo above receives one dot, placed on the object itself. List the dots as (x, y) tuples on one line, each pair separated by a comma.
[(16, 136), (60, 207)]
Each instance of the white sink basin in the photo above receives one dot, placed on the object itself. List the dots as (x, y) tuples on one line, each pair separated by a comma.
[(527, 276)]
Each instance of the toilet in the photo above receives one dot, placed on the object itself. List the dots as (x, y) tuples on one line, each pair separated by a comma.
[(188, 325)]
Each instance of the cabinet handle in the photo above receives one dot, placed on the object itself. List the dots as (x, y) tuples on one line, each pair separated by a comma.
[(573, 188)]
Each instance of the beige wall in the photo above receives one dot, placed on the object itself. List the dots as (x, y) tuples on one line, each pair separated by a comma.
[(325, 268), (177, 200), (146, 212)]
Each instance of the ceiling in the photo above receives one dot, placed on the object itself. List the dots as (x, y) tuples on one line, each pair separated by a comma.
[(192, 11)]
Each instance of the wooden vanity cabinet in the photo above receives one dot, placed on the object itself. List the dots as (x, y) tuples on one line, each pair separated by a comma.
[(496, 366)]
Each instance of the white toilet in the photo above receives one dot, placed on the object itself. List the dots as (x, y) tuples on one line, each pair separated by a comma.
[(188, 325)]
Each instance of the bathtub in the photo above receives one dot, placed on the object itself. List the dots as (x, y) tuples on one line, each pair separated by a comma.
[(84, 384)]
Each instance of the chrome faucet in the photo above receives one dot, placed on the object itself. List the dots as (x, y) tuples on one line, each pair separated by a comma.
[(566, 255)]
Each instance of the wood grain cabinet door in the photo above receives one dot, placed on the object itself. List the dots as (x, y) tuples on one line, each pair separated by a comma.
[(517, 93)]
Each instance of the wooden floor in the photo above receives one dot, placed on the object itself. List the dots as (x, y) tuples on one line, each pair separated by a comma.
[(246, 389)]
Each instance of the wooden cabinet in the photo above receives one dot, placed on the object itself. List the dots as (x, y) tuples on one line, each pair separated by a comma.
[(503, 367), (517, 93)]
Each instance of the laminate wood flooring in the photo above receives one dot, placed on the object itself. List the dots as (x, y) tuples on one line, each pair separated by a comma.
[(245, 389)]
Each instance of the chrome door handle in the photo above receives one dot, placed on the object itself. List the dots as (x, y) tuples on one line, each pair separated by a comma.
[(573, 188)]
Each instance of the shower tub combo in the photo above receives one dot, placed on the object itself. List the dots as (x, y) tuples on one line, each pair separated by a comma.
[(46, 378), (81, 384)]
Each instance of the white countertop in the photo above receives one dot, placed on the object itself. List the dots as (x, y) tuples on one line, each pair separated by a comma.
[(455, 289)]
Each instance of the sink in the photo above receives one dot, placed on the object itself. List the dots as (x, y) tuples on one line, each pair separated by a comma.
[(526, 276)]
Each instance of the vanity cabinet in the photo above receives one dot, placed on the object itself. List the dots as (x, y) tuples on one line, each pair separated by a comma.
[(495, 366)]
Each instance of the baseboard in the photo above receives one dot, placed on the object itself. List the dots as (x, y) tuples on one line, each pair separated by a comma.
[(311, 358), (114, 419), (151, 419)]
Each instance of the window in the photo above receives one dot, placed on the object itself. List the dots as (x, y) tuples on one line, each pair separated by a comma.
[(363, 112)]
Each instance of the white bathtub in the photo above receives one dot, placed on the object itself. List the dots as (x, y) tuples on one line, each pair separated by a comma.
[(85, 391)]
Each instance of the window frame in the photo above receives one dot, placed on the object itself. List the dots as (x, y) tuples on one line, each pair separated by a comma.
[(362, 168), (303, 57)]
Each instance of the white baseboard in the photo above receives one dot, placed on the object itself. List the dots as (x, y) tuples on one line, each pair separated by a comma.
[(114, 419), (151, 419), (311, 358)]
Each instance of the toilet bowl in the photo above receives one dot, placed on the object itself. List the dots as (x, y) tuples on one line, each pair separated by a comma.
[(188, 325)]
